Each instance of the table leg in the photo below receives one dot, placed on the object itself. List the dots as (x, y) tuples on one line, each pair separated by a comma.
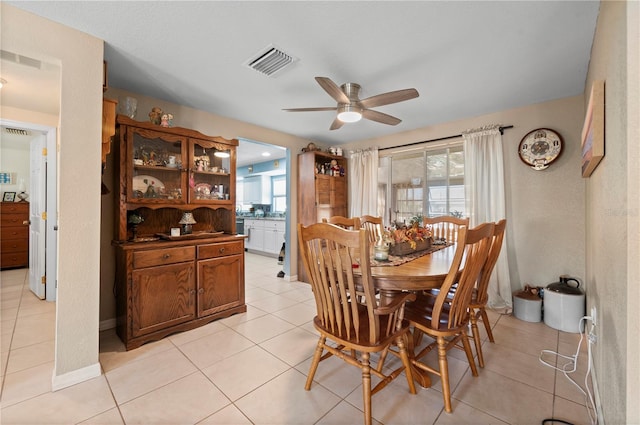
[(419, 375)]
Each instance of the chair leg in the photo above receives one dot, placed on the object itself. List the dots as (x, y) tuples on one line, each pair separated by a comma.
[(487, 325), (467, 350), (476, 336), (404, 355), (366, 387), (314, 364), (444, 373)]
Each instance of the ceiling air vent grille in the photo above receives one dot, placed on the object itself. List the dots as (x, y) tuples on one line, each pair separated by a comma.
[(23, 60), (270, 60), (16, 131)]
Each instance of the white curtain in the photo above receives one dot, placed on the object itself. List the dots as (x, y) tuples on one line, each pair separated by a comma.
[(485, 197), (363, 182)]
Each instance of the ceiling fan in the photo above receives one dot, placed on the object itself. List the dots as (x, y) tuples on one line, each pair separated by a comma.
[(351, 109)]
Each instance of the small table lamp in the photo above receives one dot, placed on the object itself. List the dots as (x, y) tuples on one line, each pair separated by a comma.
[(187, 222)]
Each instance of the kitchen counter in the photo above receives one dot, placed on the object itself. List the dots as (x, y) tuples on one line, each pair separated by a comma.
[(248, 217)]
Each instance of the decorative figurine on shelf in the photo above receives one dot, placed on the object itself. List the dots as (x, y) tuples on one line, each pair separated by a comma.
[(335, 168), (155, 116), (166, 120)]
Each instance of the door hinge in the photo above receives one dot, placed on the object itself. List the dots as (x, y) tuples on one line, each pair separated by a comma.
[(44, 215), (44, 151), (43, 279)]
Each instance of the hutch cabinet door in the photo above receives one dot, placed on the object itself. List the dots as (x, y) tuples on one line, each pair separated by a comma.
[(155, 163), (162, 296), (210, 172), (220, 284)]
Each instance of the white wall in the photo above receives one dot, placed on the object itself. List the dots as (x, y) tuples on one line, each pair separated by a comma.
[(80, 58)]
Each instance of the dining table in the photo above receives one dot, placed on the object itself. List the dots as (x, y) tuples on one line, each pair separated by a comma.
[(421, 273)]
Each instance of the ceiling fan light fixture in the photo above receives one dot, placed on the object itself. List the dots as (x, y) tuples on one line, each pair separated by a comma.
[(349, 113)]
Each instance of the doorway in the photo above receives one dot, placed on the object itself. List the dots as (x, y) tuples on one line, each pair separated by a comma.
[(31, 148), (263, 192)]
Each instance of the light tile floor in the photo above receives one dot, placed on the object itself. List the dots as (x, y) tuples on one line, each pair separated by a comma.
[(251, 368)]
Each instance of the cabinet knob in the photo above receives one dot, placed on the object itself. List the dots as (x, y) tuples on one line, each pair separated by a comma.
[(221, 250), (166, 256)]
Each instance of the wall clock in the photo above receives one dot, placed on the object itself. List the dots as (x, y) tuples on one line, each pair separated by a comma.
[(540, 147)]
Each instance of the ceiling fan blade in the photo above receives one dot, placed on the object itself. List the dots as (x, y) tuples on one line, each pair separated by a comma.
[(389, 98), (380, 117), (329, 108), (336, 124), (333, 89)]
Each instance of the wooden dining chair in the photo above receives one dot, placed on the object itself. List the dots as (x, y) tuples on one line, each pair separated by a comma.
[(480, 295), (351, 331), (445, 317), (350, 223), (445, 227), (374, 225)]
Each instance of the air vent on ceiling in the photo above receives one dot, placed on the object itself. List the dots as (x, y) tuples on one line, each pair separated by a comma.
[(17, 131), (270, 60), (22, 60)]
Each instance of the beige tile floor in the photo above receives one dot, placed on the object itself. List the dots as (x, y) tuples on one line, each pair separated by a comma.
[(251, 368)]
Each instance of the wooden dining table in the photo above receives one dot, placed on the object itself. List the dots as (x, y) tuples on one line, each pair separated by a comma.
[(425, 272)]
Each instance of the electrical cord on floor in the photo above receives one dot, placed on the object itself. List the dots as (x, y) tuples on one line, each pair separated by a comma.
[(570, 367)]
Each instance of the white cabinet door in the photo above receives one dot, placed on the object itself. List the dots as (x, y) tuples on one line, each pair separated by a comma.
[(254, 229), (273, 236), (252, 187)]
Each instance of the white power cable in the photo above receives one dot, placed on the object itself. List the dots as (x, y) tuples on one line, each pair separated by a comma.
[(571, 366)]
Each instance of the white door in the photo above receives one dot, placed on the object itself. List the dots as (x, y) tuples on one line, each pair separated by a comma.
[(37, 215)]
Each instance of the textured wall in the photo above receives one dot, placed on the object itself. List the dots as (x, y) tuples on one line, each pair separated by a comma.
[(80, 58), (610, 216)]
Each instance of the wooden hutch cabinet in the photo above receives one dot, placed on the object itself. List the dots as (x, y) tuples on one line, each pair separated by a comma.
[(14, 234), (166, 283), (322, 191)]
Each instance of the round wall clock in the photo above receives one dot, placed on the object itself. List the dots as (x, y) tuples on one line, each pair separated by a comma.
[(540, 147)]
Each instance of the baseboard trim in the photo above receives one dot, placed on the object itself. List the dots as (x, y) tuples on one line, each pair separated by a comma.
[(59, 382), (107, 324)]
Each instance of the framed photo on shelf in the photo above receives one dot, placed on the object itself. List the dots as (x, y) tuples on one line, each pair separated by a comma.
[(9, 197), (593, 130)]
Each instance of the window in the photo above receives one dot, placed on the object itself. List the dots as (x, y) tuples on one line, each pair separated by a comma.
[(427, 181), (279, 191)]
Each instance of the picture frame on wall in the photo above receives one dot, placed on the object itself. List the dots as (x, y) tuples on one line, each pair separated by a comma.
[(9, 197), (593, 130)]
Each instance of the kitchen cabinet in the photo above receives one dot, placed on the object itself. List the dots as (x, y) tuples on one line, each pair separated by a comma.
[(273, 236), (252, 190), (14, 234), (254, 229), (169, 283), (321, 193), (166, 287), (264, 235)]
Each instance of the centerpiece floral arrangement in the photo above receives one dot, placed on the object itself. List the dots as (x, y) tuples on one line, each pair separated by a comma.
[(404, 238), (411, 234)]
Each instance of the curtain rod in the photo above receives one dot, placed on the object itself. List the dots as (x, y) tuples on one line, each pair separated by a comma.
[(502, 128)]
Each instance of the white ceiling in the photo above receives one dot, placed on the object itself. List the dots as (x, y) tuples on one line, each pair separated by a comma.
[(464, 58)]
